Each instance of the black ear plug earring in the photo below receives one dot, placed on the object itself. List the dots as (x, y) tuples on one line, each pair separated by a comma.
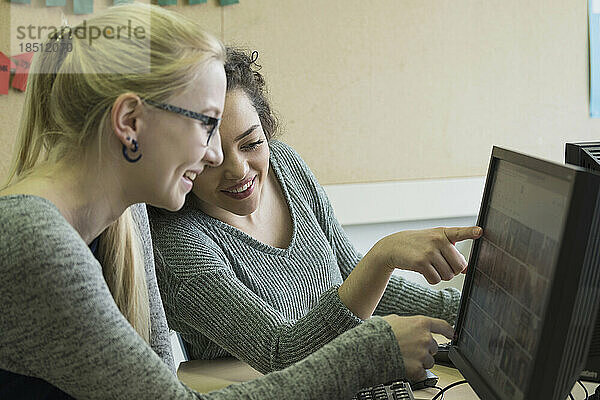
[(133, 150)]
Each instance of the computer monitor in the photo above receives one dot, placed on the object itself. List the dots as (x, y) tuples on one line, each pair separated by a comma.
[(532, 282), (587, 155)]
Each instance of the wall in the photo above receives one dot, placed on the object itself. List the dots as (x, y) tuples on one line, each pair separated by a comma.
[(388, 91)]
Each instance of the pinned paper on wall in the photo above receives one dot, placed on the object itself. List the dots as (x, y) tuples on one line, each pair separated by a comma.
[(192, 2), (167, 2), (21, 1), (23, 62), (56, 3), (4, 73), (83, 6), (594, 32), (228, 2)]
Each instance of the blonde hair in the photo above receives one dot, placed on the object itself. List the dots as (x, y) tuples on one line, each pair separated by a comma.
[(67, 107)]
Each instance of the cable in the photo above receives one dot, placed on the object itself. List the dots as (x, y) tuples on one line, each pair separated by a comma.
[(587, 395), (441, 393)]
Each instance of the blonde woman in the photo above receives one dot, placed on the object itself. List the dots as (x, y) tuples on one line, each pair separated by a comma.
[(106, 124)]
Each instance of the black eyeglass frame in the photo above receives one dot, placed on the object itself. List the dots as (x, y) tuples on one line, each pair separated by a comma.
[(211, 122)]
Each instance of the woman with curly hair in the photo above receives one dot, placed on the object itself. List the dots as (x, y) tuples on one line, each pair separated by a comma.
[(257, 266)]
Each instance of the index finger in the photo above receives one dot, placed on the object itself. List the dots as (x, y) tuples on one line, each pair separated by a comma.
[(458, 234), (441, 327)]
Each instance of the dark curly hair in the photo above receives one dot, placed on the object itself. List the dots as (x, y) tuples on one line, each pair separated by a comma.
[(242, 73)]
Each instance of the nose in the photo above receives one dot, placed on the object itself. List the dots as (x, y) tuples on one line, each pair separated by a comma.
[(235, 167), (214, 153)]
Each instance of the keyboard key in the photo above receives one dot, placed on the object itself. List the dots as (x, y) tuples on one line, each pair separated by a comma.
[(394, 391)]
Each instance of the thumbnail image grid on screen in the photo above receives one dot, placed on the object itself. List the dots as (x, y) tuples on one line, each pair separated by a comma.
[(513, 270)]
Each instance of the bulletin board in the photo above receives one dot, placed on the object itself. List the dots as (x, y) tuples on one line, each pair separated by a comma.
[(388, 90)]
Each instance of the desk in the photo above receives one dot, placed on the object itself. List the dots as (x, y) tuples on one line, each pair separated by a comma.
[(207, 375)]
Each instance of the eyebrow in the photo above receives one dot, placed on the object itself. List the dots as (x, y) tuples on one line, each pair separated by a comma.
[(246, 133)]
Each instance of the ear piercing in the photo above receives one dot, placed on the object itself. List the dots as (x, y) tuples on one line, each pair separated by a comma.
[(135, 148)]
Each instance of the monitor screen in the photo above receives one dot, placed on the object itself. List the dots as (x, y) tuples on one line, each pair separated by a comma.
[(523, 219)]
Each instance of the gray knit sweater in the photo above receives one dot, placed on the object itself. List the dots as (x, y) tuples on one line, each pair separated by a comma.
[(227, 293), (60, 324)]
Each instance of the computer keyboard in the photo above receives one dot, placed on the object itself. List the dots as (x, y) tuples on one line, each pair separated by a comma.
[(393, 391)]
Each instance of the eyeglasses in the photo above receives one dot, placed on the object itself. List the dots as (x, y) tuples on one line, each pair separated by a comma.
[(210, 122)]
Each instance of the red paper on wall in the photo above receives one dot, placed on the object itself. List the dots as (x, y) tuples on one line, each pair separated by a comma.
[(23, 62), (4, 73)]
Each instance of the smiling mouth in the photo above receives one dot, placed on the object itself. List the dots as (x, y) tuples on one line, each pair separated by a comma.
[(243, 188)]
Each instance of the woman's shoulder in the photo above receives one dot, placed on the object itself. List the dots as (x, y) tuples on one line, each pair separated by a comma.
[(21, 203), (33, 233), (24, 217), (164, 223), (158, 215), (284, 152), (185, 233), (291, 168), (290, 164)]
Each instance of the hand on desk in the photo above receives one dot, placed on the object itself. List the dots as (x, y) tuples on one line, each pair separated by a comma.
[(430, 252), (416, 342)]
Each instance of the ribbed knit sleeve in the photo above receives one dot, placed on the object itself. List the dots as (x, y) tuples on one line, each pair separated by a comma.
[(60, 325), (336, 371), (205, 299), (404, 297), (401, 296)]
